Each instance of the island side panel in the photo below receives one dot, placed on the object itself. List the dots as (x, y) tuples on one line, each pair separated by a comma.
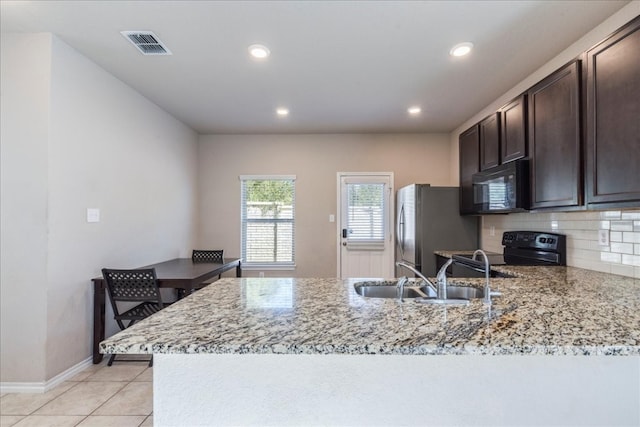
[(286, 389)]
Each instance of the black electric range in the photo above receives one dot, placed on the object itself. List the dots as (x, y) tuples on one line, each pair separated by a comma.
[(494, 259), (520, 248)]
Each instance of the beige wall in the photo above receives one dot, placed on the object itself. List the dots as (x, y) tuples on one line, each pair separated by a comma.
[(25, 79), (580, 227), (315, 160), (75, 137)]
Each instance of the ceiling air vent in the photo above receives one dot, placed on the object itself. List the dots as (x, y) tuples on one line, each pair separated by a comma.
[(146, 42)]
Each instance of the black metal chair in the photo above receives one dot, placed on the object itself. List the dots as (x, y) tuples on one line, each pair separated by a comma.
[(201, 255), (132, 286), (205, 255)]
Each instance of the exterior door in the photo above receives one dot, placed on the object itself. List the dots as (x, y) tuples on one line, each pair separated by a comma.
[(365, 228)]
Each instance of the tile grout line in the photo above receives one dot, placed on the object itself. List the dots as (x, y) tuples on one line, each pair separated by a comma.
[(74, 384), (33, 413), (81, 421), (106, 401), (110, 397)]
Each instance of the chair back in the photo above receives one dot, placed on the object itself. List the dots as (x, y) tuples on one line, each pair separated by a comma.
[(200, 255), (132, 285)]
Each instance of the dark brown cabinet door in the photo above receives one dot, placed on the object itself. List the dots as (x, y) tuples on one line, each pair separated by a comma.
[(555, 139), (513, 126), (490, 142), (469, 164), (613, 118)]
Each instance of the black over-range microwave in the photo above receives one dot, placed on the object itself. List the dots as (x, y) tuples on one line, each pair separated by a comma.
[(502, 189)]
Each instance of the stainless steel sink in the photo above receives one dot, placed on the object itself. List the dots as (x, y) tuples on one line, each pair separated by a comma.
[(390, 291), (464, 292)]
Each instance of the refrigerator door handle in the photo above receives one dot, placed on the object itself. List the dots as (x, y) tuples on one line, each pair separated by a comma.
[(400, 230)]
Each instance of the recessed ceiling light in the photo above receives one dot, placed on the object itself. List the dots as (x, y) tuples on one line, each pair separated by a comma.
[(461, 49), (259, 51), (282, 112), (414, 110)]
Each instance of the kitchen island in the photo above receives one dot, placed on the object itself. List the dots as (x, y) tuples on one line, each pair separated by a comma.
[(561, 346)]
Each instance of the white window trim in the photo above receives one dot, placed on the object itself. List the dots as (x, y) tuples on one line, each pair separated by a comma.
[(253, 266), (369, 244), (267, 177), (268, 267)]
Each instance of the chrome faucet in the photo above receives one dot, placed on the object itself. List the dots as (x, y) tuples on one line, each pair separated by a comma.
[(440, 290), (487, 288), (436, 290), (417, 273), (441, 279), (400, 287)]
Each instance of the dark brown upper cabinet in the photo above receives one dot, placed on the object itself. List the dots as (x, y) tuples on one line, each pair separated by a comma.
[(490, 141), (469, 152), (613, 119), (555, 139), (513, 127)]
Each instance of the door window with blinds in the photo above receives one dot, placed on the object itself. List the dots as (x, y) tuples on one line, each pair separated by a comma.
[(366, 219), (268, 221)]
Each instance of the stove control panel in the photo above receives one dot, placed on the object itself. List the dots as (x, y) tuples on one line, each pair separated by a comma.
[(534, 240)]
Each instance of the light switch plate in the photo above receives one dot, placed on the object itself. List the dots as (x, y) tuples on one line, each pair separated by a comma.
[(332, 218), (93, 215), (603, 237)]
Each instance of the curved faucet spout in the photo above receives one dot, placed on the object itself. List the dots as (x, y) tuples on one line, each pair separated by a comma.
[(487, 288), (441, 279), (400, 287), (417, 273)]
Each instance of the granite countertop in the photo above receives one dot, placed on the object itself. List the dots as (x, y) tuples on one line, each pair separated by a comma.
[(543, 311)]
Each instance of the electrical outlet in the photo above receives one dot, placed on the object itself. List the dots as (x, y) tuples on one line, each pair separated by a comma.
[(492, 231), (603, 237)]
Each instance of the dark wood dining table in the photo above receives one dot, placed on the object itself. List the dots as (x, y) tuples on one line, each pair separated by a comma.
[(179, 273)]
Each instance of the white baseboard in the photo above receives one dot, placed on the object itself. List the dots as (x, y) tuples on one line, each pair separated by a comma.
[(43, 387)]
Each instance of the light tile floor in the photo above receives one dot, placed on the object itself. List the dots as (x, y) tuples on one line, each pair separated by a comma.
[(120, 395)]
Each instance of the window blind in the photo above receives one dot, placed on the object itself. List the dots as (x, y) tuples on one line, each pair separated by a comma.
[(268, 221), (366, 216)]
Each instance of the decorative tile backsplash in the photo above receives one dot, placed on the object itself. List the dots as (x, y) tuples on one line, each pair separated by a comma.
[(607, 241)]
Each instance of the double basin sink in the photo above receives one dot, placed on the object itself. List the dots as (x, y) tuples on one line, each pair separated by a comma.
[(389, 289)]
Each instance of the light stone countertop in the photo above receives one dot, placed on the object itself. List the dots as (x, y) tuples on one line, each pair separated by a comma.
[(543, 311)]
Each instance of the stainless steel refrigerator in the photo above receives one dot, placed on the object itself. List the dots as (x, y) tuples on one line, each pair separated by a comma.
[(428, 219)]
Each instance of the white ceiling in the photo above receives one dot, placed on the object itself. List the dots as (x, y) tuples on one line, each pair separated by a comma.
[(339, 66)]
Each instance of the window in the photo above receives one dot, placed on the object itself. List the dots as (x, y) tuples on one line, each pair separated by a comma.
[(268, 221), (366, 215)]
